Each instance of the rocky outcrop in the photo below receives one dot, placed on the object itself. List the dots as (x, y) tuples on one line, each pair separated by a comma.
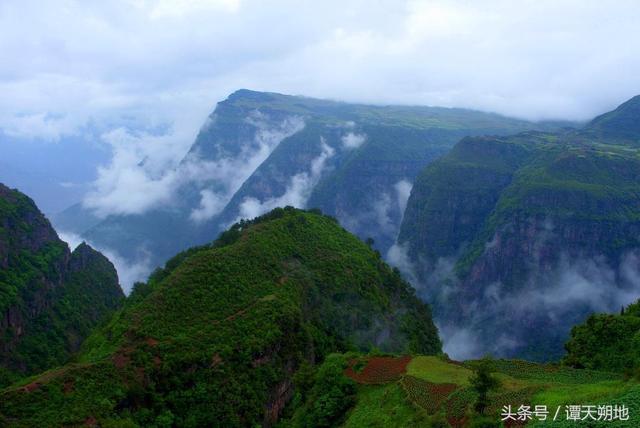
[(49, 297)]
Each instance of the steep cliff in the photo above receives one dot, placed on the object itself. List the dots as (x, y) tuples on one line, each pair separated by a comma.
[(525, 236), (50, 298), (260, 150)]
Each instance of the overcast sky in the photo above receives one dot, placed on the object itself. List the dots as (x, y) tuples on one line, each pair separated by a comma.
[(84, 69)]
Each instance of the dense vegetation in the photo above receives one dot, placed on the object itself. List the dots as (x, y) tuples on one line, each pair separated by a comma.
[(50, 299), (217, 336), (432, 391), (504, 230), (607, 342)]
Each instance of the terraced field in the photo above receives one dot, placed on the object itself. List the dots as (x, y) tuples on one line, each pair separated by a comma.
[(433, 391)]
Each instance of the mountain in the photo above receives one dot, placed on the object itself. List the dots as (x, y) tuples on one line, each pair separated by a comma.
[(50, 298), (621, 124), (527, 235), (261, 150), (217, 337)]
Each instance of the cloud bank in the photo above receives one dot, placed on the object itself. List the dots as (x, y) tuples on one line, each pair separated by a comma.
[(140, 76), (557, 297)]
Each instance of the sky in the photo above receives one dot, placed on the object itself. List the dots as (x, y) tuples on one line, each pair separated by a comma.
[(103, 85)]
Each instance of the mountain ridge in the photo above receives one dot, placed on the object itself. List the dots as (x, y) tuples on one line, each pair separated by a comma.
[(236, 319), (547, 218), (241, 168)]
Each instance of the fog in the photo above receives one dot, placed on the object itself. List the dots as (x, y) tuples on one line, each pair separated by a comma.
[(139, 77)]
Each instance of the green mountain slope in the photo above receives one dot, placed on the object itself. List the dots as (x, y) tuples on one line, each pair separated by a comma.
[(607, 342), (430, 391), (216, 337), (261, 150), (622, 123), (50, 298), (526, 236)]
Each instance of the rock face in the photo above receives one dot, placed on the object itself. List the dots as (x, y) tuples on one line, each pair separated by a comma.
[(525, 236), (50, 298), (261, 150), (215, 338)]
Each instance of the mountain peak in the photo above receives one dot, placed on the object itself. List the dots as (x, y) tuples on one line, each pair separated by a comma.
[(248, 94), (623, 122)]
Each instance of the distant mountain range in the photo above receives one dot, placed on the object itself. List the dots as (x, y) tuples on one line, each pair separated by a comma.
[(514, 230), (516, 239), (260, 150)]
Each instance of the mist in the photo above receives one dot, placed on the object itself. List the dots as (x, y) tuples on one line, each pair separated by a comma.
[(138, 78), (560, 297), (298, 189)]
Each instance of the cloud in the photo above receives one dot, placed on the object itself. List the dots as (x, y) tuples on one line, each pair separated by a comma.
[(146, 170), (181, 8), (154, 68), (553, 294), (403, 191), (353, 141), (557, 298), (140, 176), (398, 256), (298, 189), (385, 210), (102, 61), (210, 205), (229, 173)]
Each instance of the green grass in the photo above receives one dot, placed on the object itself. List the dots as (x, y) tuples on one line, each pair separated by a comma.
[(522, 383), (437, 370), (556, 395), (383, 406)]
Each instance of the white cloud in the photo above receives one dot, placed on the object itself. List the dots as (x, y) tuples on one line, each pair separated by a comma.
[(297, 191), (398, 256), (229, 173), (353, 141), (85, 61), (403, 191), (146, 170), (140, 176), (210, 205), (155, 67), (159, 9)]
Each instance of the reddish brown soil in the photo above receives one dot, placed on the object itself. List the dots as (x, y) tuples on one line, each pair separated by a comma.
[(379, 370)]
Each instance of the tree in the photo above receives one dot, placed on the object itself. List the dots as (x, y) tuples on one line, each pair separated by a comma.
[(483, 382)]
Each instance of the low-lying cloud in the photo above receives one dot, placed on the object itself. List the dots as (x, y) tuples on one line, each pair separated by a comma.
[(298, 189), (384, 212), (353, 141), (558, 297), (147, 170), (229, 173)]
